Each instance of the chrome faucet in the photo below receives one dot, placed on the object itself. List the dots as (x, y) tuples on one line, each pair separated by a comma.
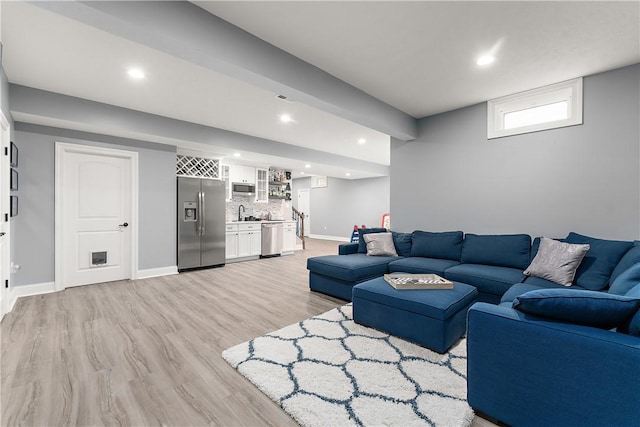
[(239, 217)]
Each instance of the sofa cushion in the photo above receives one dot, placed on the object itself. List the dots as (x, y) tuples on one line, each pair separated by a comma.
[(402, 241), (442, 245), (362, 245), (598, 264), (625, 281), (419, 265), (506, 250), (633, 326), (350, 268), (589, 308), (557, 261), (630, 258), (535, 244), (348, 248), (380, 244), (487, 278), (524, 287)]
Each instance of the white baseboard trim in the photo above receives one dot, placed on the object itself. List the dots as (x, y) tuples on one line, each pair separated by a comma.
[(29, 290), (46, 288), (335, 238), (156, 272)]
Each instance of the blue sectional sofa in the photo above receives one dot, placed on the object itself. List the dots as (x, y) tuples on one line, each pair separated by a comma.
[(541, 354), (491, 263)]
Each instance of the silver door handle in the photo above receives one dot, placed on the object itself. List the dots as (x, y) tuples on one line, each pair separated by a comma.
[(203, 215), (200, 210)]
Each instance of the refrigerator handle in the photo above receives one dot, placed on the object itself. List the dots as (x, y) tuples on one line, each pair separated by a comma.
[(199, 224), (203, 215)]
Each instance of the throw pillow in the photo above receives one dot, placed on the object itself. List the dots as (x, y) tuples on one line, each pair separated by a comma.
[(362, 245), (626, 281), (598, 264), (589, 308), (556, 261), (402, 241), (380, 244)]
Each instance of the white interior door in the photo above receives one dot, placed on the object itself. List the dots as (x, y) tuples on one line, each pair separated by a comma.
[(304, 206), (5, 256), (96, 189)]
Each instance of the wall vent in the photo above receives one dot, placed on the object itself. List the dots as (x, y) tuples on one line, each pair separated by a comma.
[(197, 167)]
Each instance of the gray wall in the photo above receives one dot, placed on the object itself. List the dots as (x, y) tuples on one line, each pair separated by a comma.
[(582, 178), (343, 203), (33, 229)]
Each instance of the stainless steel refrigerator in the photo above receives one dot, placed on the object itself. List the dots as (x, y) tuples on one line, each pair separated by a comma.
[(201, 223)]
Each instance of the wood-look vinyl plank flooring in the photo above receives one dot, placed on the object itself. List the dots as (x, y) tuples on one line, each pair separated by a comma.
[(148, 352)]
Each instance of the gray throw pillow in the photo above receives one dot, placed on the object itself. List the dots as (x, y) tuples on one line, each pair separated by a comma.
[(380, 244), (557, 261)]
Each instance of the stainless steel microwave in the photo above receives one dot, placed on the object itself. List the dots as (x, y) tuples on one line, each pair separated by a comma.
[(243, 189)]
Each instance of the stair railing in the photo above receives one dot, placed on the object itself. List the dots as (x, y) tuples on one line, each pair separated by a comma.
[(298, 217)]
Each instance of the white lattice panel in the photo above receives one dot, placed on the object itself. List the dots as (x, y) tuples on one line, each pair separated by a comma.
[(198, 167)]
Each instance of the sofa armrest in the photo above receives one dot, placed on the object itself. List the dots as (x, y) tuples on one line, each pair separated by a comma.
[(529, 371), (347, 248)]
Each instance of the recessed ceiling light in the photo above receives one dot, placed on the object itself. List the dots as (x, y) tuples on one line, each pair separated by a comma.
[(348, 174), (236, 154), (136, 73), (307, 166), (302, 173), (285, 118), (485, 60), (362, 141)]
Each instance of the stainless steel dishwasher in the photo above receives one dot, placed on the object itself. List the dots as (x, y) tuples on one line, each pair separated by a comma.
[(271, 239)]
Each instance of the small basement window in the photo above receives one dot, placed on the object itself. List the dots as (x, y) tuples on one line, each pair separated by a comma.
[(544, 108)]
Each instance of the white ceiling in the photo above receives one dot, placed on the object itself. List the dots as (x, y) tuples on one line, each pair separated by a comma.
[(417, 56)]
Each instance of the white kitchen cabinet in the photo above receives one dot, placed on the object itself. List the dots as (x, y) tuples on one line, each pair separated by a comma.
[(231, 241), (227, 181), (288, 237), (244, 174), (249, 240), (262, 185)]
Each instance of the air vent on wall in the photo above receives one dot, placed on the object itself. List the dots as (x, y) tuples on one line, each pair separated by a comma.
[(197, 167)]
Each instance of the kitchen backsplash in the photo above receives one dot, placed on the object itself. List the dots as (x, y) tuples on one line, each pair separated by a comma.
[(278, 208)]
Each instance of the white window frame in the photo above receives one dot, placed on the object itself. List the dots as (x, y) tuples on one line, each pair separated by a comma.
[(569, 91)]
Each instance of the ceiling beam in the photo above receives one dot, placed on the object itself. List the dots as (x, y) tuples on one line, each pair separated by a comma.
[(186, 31), (118, 121)]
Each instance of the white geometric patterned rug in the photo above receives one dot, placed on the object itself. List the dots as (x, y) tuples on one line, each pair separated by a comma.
[(330, 371)]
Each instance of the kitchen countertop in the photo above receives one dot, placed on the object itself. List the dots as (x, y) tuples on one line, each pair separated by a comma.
[(260, 222)]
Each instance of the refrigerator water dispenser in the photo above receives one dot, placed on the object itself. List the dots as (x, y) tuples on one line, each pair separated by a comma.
[(190, 212)]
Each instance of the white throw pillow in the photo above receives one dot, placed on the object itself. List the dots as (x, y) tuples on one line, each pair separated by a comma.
[(380, 244), (557, 261)]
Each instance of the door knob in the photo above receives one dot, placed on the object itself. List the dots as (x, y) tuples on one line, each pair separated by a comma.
[(2, 234), (126, 224)]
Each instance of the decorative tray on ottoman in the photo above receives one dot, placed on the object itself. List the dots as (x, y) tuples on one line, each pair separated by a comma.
[(417, 281)]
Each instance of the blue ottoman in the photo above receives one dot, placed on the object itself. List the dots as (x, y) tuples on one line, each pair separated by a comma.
[(434, 318)]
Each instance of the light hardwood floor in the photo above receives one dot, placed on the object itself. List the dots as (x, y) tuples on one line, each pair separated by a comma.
[(147, 352)]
